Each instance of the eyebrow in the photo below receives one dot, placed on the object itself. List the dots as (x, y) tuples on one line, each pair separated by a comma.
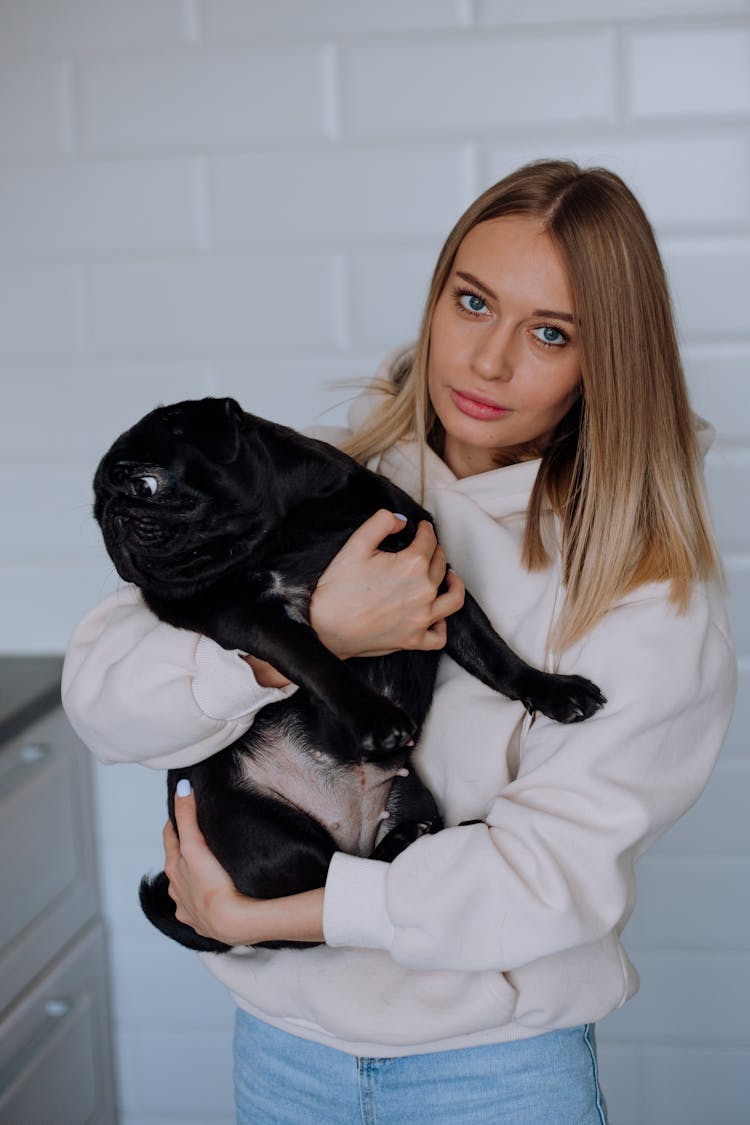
[(552, 313)]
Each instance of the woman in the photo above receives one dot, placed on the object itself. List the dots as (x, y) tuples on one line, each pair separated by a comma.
[(543, 415)]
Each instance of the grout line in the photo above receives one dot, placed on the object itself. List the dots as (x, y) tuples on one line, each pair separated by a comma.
[(332, 104)]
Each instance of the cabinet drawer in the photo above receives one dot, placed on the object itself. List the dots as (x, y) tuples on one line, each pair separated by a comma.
[(47, 877), (54, 1055)]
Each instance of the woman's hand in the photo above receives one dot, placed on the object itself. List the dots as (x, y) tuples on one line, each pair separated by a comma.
[(207, 899), (265, 674), (370, 602)]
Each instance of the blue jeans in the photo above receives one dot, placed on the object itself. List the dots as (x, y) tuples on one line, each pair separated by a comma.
[(281, 1079)]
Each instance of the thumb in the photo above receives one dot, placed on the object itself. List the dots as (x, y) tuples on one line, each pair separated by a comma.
[(368, 537)]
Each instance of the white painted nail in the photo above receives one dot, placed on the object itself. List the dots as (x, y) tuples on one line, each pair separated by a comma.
[(183, 787), (402, 773), (400, 517)]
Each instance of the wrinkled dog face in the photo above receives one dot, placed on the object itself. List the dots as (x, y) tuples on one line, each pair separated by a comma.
[(169, 499)]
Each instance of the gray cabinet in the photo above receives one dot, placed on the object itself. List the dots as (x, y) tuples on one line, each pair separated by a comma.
[(55, 1041)]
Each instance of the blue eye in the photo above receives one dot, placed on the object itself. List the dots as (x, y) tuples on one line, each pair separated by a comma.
[(550, 335), (472, 303)]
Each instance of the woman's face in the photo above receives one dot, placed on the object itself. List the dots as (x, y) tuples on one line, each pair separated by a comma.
[(504, 365)]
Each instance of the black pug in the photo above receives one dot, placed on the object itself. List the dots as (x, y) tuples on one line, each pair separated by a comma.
[(226, 521)]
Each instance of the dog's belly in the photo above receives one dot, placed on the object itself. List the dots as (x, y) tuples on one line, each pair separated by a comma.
[(349, 801)]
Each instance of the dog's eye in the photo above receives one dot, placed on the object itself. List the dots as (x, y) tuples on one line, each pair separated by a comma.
[(145, 486)]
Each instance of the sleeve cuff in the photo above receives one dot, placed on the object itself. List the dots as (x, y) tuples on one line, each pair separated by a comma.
[(354, 904), (224, 686)]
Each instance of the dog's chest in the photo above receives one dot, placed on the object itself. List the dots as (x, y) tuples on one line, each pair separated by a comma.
[(349, 801)]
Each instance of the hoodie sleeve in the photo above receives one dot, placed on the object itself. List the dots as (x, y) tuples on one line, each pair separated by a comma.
[(137, 690), (551, 868)]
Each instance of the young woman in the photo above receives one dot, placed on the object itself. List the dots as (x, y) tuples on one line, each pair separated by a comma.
[(544, 417)]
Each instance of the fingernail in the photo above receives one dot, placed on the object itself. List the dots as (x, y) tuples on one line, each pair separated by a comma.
[(400, 517), (183, 787)]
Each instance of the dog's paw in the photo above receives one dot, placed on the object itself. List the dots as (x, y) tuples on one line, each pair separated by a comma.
[(566, 699), (383, 731), (400, 837)]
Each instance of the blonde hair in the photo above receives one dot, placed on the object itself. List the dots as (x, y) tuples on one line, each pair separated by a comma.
[(622, 471)]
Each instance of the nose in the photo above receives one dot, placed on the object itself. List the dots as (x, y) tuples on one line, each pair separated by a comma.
[(494, 354)]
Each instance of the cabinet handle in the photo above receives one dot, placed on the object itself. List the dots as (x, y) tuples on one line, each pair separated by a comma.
[(22, 764), (51, 1020), (56, 1009), (32, 752)]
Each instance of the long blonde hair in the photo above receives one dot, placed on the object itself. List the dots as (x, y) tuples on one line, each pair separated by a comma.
[(622, 471)]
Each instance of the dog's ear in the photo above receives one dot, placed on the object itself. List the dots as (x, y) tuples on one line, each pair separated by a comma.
[(223, 419)]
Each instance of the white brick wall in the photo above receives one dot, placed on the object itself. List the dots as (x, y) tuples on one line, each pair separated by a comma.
[(228, 196)]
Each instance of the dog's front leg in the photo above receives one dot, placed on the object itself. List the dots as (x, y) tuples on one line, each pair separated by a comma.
[(379, 728), (474, 644)]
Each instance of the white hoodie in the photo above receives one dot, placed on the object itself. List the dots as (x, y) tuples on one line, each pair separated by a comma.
[(486, 932)]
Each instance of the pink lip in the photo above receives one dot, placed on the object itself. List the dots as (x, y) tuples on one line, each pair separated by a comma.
[(475, 406)]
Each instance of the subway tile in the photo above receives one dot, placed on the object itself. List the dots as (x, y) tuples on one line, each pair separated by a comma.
[(507, 12), (225, 21), (208, 99), (686, 999), (478, 82), (83, 208), (57, 26), (349, 193), (47, 512), (738, 581), (694, 1087), (387, 292), (710, 280), (33, 120), (691, 72), (619, 1078), (72, 411), (42, 602), (218, 304), (665, 916), (738, 736), (39, 311), (700, 180), (717, 824), (121, 868), (301, 392), (158, 984), (177, 1073), (121, 790), (719, 380), (728, 483)]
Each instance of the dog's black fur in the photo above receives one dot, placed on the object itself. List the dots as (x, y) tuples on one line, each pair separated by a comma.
[(226, 521)]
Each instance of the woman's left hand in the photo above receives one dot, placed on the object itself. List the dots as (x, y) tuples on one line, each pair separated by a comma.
[(207, 899)]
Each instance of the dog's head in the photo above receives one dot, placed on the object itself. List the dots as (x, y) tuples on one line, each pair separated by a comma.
[(176, 499)]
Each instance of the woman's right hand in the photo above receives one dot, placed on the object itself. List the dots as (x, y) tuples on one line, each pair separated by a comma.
[(370, 602)]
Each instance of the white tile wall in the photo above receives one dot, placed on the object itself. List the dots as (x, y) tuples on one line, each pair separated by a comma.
[(72, 210), (33, 109), (698, 71), (464, 84), (215, 196), (161, 102), (410, 192)]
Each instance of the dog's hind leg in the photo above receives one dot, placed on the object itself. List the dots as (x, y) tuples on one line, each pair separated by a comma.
[(160, 909)]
